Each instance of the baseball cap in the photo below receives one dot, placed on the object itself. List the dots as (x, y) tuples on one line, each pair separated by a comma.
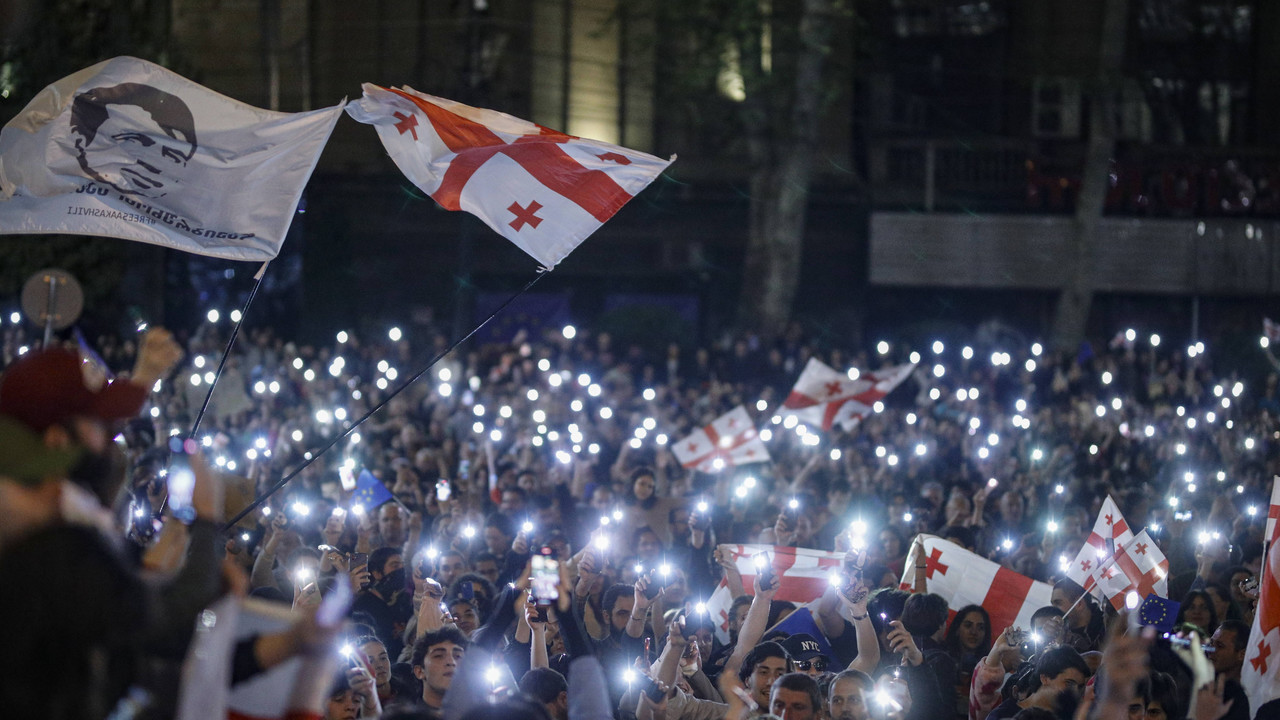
[(45, 387), (26, 459), (802, 646)]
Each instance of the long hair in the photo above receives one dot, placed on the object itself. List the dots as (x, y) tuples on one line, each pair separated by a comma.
[(952, 640)]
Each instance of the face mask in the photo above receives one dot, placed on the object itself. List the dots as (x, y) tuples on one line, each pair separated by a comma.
[(392, 582)]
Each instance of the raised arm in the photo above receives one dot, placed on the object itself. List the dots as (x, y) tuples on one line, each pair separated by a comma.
[(753, 626)]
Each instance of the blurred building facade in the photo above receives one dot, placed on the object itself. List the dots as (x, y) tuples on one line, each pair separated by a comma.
[(951, 151)]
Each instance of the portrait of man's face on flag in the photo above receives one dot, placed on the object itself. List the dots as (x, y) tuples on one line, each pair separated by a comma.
[(133, 137)]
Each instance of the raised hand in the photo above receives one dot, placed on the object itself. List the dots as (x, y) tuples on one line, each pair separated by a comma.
[(901, 642)]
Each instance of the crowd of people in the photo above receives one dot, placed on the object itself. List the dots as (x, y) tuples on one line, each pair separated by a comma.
[(539, 550)]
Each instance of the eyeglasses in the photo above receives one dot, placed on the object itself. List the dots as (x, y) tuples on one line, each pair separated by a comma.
[(819, 664)]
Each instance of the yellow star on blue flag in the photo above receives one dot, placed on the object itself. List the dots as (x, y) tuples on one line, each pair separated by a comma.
[(1158, 612), (370, 492)]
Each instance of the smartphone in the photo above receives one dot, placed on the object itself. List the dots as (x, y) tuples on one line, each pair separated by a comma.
[(443, 491), (546, 578), (181, 479), (652, 589), (359, 559), (764, 564), (650, 688)]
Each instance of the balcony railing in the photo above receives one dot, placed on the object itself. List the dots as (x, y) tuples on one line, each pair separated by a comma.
[(994, 175)]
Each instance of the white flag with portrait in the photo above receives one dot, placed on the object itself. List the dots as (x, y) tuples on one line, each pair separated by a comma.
[(131, 150)]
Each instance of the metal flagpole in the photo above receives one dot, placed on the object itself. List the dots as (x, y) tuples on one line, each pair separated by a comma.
[(403, 386), (226, 352)]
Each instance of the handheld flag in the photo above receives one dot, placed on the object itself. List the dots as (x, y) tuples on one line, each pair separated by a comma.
[(1260, 675), (131, 150), (823, 397), (1159, 613), (370, 492), (1109, 531), (543, 190), (729, 441), (965, 578), (1139, 566), (802, 575)]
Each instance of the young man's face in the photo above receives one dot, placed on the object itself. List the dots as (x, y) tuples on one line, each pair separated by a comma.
[(848, 701), (622, 612), (437, 668), (451, 567), (1225, 657), (393, 563), (1069, 680), (133, 154), (792, 705), (488, 569), (762, 677)]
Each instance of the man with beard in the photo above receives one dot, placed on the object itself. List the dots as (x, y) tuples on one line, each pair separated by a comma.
[(387, 600)]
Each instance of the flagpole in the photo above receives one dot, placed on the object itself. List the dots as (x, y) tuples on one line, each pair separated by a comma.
[(226, 352), (401, 388)]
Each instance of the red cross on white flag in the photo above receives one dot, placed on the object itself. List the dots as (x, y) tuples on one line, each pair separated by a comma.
[(730, 440), (543, 190), (1109, 532), (1139, 566), (802, 575), (823, 397), (965, 578), (1260, 675)]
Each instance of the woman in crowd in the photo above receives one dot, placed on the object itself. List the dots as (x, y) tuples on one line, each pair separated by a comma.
[(968, 641)]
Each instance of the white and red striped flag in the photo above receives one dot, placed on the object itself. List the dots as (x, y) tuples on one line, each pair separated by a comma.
[(1109, 532), (803, 574), (1273, 512), (965, 578), (1260, 675), (541, 189), (730, 440), (823, 397), (1139, 566)]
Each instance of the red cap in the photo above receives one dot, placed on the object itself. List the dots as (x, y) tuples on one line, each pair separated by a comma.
[(45, 387)]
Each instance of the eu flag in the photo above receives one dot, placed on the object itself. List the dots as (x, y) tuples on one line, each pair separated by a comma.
[(1158, 612), (370, 492)]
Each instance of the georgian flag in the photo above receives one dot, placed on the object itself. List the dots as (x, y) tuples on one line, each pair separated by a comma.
[(964, 578), (1260, 675), (1109, 532), (541, 189), (803, 574), (1139, 566), (823, 397), (729, 441), (131, 150)]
